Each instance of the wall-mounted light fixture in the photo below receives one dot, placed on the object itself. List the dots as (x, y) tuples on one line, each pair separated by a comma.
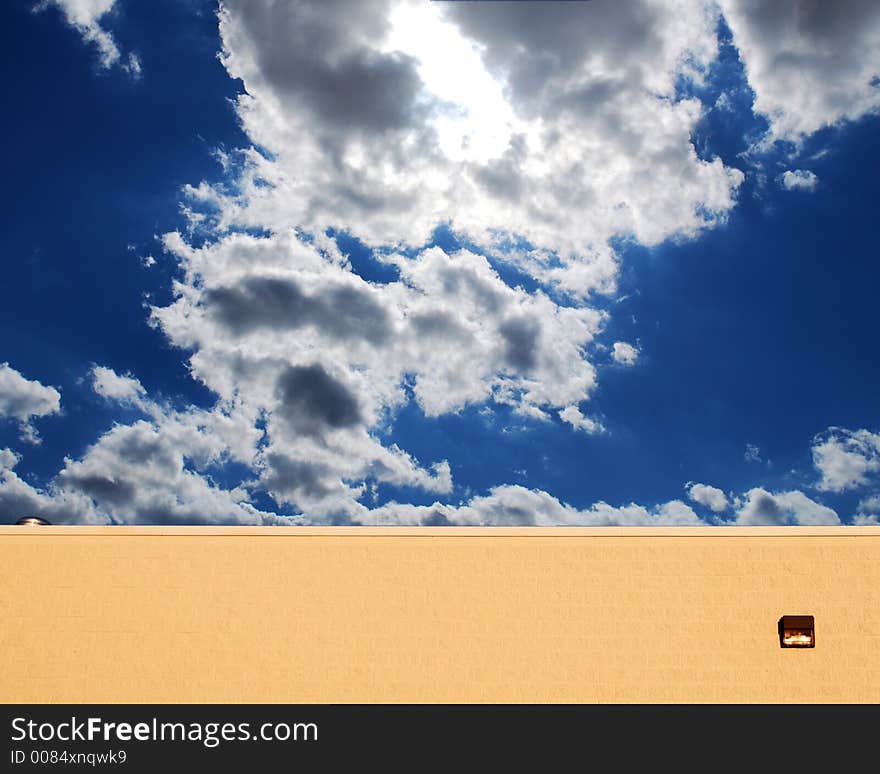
[(32, 521), (797, 631)]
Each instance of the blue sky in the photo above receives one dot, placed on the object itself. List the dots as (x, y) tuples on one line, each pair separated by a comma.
[(440, 263)]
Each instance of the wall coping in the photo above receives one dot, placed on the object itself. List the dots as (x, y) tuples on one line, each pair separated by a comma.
[(435, 532)]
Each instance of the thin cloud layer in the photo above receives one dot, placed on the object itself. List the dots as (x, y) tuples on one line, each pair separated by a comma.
[(85, 16)]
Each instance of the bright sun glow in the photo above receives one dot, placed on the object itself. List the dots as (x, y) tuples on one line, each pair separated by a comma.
[(478, 122)]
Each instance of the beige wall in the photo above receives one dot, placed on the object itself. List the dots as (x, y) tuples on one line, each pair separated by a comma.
[(436, 615)]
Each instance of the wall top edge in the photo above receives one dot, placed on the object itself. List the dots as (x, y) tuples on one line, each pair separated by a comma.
[(434, 532)]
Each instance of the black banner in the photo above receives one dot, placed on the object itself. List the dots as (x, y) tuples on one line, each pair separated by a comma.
[(285, 737)]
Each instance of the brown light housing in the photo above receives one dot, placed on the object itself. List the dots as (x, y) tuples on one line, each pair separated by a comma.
[(797, 631)]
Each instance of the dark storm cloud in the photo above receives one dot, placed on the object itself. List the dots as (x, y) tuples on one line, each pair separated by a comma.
[(831, 22), (436, 519), (455, 279), (15, 505), (502, 177), (311, 401), (287, 477), (521, 337), (441, 325), (102, 489), (765, 510), (810, 63), (135, 451), (319, 54), (537, 45), (587, 96), (342, 311), (152, 450)]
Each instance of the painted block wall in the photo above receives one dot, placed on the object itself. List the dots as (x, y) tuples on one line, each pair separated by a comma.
[(336, 615)]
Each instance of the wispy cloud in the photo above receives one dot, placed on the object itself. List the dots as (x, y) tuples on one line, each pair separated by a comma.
[(799, 180), (86, 17)]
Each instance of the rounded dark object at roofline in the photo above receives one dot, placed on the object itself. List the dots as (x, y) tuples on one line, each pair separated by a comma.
[(33, 521)]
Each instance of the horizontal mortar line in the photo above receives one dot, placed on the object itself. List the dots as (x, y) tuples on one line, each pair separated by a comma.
[(439, 532)]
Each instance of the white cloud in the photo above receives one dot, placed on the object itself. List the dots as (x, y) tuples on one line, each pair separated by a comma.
[(710, 496), (142, 473), (625, 354), (566, 166), (137, 474), (799, 180), (123, 389), (845, 459), (574, 417), (518, 506), (327, 358), (84, 12), (167, 468), (871, 504), (155, 471), (868, 511), (374, 127), (159, 472), (811, 64), (24, 400), (763, 508), (19, 499), (86, 17), (8, 459), (532, 131), (539, 132)]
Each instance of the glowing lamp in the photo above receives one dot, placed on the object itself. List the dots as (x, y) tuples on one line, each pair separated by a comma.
[(797, 631)]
